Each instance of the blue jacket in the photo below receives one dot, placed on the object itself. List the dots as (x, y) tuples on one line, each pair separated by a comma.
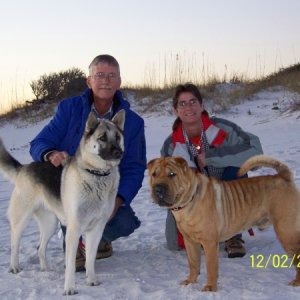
[(66, 128)]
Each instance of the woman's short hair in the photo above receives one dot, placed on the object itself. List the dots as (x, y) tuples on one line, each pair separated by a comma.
[(187, 87)]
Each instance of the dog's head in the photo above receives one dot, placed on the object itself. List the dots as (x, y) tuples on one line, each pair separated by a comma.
[(104, 139), (171, 181)]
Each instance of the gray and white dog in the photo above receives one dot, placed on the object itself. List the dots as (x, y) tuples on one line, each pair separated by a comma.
[(81, 195)]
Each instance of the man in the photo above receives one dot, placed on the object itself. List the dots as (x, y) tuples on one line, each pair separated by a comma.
[(62, 135)]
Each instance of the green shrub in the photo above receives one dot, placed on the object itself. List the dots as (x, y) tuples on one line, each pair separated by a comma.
[(56, 86)]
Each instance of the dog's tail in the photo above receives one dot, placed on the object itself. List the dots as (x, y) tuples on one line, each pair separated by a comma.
[(8, 165), (265, 161)]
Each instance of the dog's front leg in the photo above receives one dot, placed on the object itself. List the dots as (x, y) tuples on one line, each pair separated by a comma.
[(72, 238), (14, 257), (211, 250), (92, 239), (193, 251)]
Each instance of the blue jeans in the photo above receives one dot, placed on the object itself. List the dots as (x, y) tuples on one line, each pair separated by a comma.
[(230, 173), (122, 224)]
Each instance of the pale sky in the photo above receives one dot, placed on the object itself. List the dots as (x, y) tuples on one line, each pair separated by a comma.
[(37, 37)]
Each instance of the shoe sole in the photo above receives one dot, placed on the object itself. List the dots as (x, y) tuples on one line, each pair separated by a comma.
[(80, 269), (234, 255), (103, 255)]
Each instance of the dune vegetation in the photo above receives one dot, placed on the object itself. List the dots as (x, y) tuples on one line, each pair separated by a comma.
[(223, 92)]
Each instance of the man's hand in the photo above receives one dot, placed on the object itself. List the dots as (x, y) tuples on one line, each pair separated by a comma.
[(57, 158), (118, 204)]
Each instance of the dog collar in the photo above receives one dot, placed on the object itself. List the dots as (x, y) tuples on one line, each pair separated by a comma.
[(183, 206), (98, 173), (177, 208)]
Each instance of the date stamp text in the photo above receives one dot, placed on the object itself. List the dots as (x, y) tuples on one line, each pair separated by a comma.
[(282, 261)]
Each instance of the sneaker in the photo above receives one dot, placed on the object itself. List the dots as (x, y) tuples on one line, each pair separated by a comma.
[(235, 248), (80, 258), (104, 250)]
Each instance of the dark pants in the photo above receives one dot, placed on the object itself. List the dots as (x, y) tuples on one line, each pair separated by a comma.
[(230, 173), (123, 224)]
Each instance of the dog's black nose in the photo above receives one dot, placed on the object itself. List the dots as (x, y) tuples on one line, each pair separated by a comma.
[(117, 153), (159, 191)]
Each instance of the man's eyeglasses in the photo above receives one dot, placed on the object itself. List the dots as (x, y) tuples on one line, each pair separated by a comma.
[(101, 76), (185, 104)]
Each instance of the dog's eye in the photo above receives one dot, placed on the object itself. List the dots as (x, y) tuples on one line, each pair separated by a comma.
[(103, 138), (171, 174), (117, 137)]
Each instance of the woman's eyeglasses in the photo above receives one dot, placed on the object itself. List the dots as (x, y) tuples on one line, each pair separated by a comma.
[(185, 104)]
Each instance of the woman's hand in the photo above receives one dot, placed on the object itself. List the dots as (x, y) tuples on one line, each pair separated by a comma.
[(201, 159)]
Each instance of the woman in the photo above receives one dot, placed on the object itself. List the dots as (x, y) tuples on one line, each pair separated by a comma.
[(212, 146)]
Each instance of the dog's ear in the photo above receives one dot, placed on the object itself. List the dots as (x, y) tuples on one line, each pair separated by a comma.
[(119, 119), (151, 163), (180, 161), (91, 123)]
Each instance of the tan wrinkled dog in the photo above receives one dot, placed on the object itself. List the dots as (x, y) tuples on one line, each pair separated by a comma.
[(208, 211)]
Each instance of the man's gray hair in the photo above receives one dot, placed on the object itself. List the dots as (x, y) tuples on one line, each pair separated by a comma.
[(105, 59)]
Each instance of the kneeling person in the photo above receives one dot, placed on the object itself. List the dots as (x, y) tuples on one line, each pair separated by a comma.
[(62, 135), (213, 146)]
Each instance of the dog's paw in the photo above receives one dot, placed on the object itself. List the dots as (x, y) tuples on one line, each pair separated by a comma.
[(70, 291), (187, 282), (94, 282), (294, 283), (45, 269), (209, 288), (14, 270)]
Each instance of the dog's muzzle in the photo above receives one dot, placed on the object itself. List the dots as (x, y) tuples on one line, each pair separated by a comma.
[(117, 153), (111, 154), (160, 193)]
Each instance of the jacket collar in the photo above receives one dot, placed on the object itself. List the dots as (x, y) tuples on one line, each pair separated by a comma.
[(214, 135), (118, 102)]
